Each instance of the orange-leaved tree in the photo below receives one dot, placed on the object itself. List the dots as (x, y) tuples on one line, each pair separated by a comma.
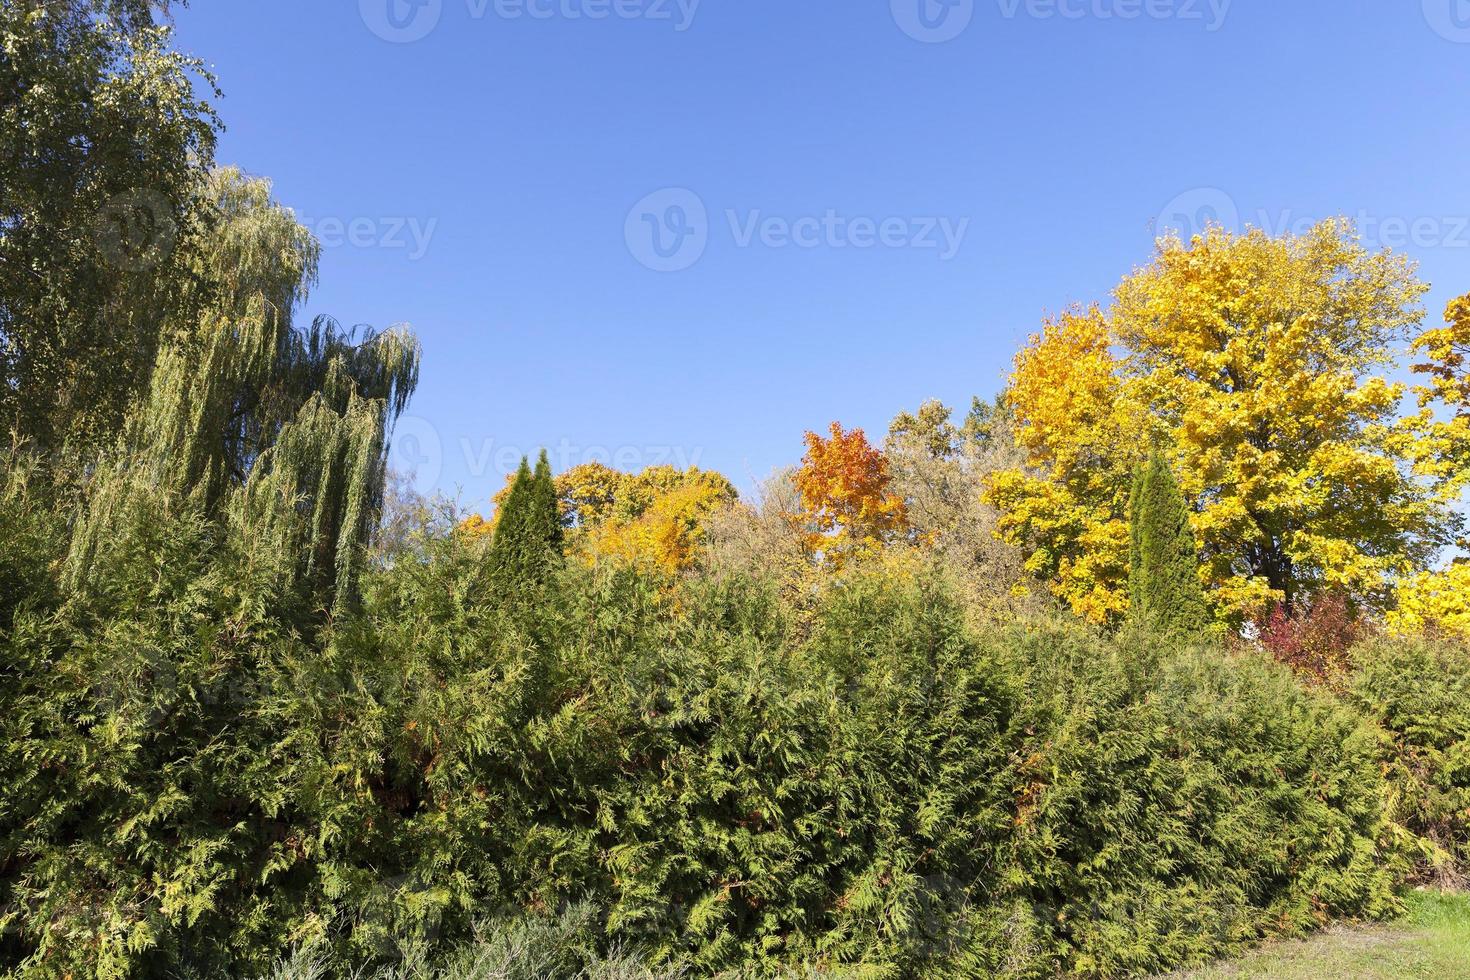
[(846, 494)]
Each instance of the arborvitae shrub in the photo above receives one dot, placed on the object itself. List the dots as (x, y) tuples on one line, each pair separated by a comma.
[(730, 790), (1174, 804), (528, 533), (1417, 690), (1164, 591)]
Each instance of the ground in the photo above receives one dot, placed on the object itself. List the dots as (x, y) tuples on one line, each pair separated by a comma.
[(1432, 942)]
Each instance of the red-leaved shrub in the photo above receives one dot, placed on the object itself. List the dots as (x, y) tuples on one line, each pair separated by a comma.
[(1313, 639)]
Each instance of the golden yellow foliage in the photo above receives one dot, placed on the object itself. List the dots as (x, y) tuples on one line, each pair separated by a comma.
[(476, 527), (1082, 435), (1434, 600), (1248, 359), (656, 518), (1444, 439)]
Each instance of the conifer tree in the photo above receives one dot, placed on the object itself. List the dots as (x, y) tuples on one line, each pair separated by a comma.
[(528, 534), (1163, 582), (548, 512)]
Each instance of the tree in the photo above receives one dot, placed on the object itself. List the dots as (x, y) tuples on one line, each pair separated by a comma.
[(657, 517), (528, 530), (1443, 441), (104, 152), (1434, 601), (279, 432), (1255, 358), (669, 533), (940, 471), (1164, 591), (846, 493), (1081, 436), (545, 508)]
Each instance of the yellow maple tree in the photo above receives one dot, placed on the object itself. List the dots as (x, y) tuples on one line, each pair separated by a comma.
[(1082, 434), (1251, 362), (1443, 425), (1434, 600), (656, 518)]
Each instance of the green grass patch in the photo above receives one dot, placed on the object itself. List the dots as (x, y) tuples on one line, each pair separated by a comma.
[(1431, 941)]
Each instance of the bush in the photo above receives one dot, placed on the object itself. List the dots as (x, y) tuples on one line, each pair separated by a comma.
[(695, 781), (1177, 804), (1417, 691), (1315, 639)]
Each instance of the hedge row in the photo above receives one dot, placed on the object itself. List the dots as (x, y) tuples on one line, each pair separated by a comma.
[(200, 781)]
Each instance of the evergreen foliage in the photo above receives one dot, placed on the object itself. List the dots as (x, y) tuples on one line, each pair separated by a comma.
[(235, 747), (731, 789), (1164, 589), (1417, 692), (528, 532)]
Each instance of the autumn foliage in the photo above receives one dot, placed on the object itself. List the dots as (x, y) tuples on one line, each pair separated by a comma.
[(1314, 640), (1261, 362), (846, 493)]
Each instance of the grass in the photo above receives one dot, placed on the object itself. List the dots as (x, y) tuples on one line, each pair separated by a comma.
[(1431, 942)]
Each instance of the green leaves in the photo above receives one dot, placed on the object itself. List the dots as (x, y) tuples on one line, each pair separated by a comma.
[(1164, 589)]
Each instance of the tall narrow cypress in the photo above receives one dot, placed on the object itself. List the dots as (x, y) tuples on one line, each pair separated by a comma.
[(548, 513), (528, 534), (1163, 580)]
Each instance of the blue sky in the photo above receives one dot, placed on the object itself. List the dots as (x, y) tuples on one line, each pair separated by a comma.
[(857, 205)]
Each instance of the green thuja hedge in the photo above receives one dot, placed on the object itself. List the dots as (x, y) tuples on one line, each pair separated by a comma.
[(1417, 691), (1176, 804), (205, 778)]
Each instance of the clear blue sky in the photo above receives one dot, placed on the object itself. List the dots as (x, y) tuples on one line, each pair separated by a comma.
[(477, 171)]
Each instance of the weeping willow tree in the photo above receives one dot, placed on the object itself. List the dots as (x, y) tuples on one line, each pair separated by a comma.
[(106, 135), (275, 433)]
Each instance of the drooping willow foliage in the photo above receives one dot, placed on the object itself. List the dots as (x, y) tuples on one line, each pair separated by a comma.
[(279, 430)]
